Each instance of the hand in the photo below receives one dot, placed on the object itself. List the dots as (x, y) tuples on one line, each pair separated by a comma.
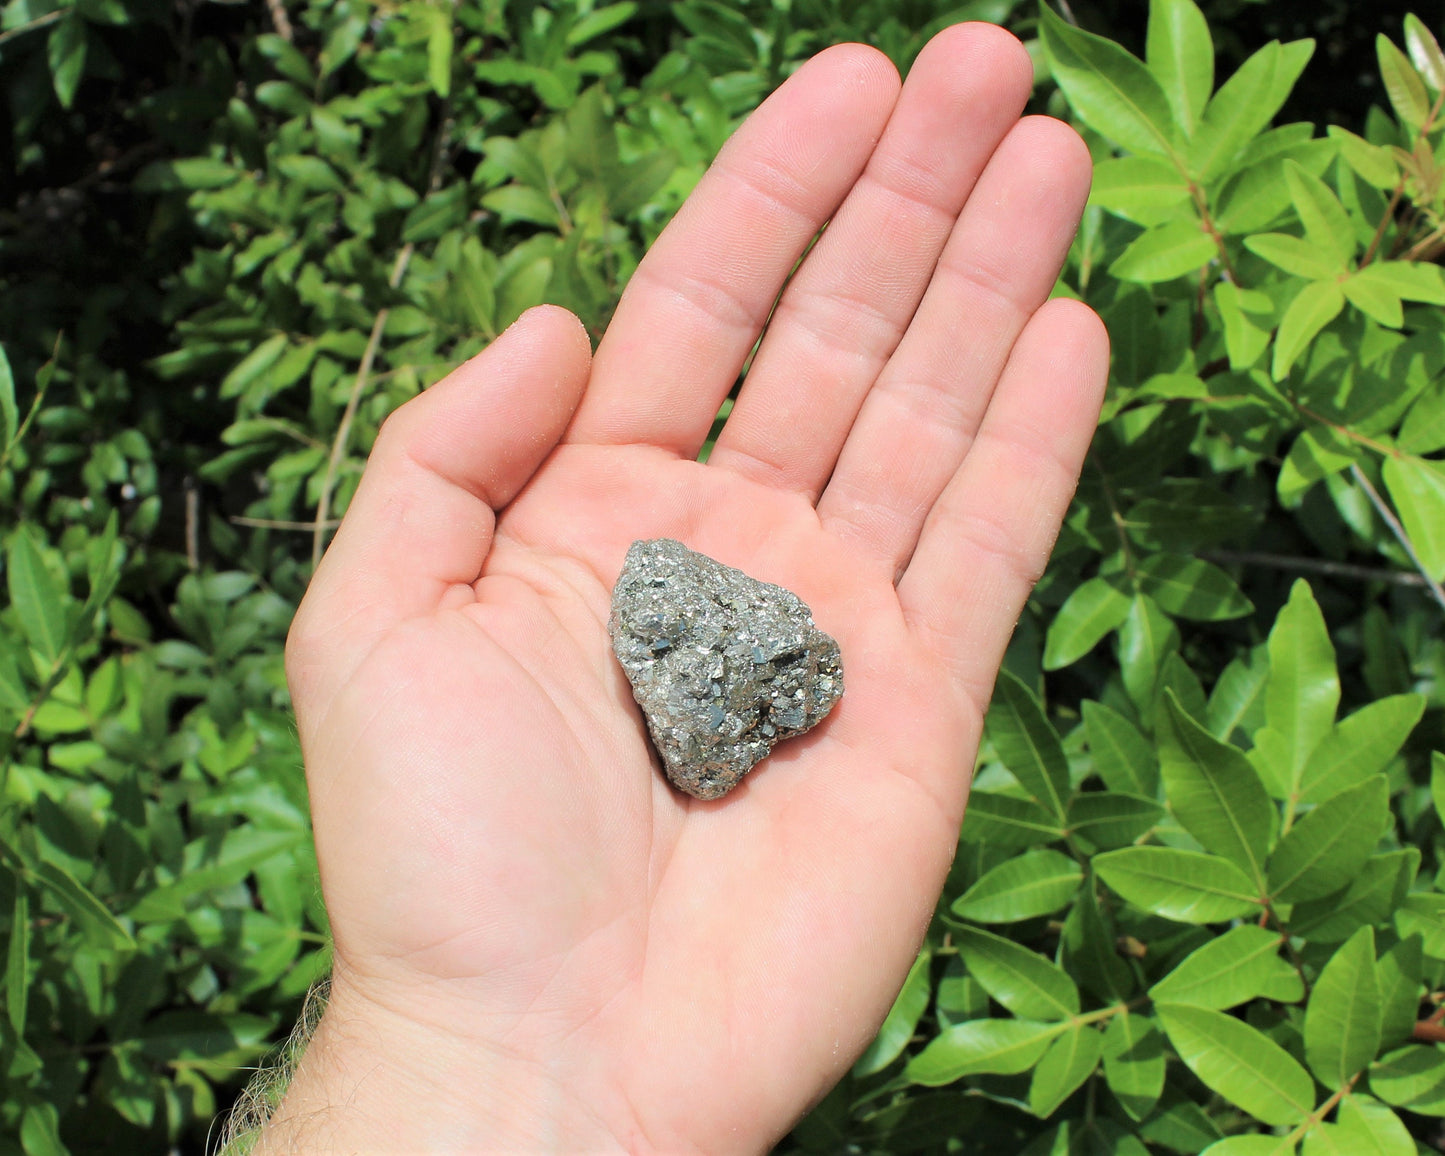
[(540, 944)]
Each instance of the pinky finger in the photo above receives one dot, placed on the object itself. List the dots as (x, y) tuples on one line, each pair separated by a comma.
[(988, 537)]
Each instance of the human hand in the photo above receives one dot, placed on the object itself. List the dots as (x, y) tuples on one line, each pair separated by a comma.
[(540, 945)]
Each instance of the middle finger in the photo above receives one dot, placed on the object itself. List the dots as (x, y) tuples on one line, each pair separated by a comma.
[(845, 310)]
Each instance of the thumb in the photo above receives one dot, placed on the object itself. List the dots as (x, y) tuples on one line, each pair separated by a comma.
[(422, 519)]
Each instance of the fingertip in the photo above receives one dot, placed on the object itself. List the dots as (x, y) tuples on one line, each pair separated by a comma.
[(979, 45)]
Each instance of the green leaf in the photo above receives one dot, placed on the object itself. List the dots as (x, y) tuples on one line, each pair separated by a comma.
[(9, 415), (1400, 972), (1425, 52), (312, 173), (1180, 54), (1069, 1061), (1002, 1047), (1142, 189), (92, 916), (65, 51), (439, 49), (1026, 744), (1437, 783), (1253, 1144), (1146, 639), (254, 365), (1192, 588), (1112, 819), (1186, 886), (523, 203), (40, 1131), (1374, 301), (1164, 253), (1123, 757), (1422, 914), (1134, 1062), (1293, 255), (438, 214), (242, 851), (17, 961), (1375, 164), (1414, 1072), (1370, 898), (1245, 104), (1359, 746), (1095, 607), (1023, 981), (1318, 453), (1246, 331), (1417, 487), (1035, 883), (1327, 226), (1412, 280), (1303, 691), (1402, 83), (1364, 1127), (1342, 1021), (38, 599), (1107, 88), (1091, 952), (1423, 431), (1214, 792), (598, 21), (186, 173), (1003, 821), (1329, 846), (1239, 1062), (1240, 965), (1313, 307), (902, 1019)]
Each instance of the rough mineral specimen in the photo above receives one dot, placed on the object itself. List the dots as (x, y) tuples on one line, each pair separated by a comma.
[(723, 666)]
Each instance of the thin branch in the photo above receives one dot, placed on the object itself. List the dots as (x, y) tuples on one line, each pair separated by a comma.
[(1313, 566), (1384, 222), (279, 18), (343, 431), (32, 25), (275, 524), (1399, 531)]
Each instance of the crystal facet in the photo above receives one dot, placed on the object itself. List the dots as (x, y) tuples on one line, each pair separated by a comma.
[(724, 666)]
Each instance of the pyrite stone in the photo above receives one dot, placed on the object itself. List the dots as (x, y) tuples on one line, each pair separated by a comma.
[(724, 667)]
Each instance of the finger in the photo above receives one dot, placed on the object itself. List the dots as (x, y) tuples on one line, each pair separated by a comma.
[(988, 538), (695, 306), (421, 522), (997, 269), (842, 315)]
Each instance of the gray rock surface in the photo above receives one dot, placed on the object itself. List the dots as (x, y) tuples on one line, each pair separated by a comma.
[(724, 666)]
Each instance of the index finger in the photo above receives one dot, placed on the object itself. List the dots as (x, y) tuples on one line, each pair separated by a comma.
[(699, 299)]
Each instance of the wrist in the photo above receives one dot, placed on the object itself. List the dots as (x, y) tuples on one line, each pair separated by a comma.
[(375, 1080)]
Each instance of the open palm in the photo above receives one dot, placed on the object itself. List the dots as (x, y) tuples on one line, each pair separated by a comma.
[(580, 956)]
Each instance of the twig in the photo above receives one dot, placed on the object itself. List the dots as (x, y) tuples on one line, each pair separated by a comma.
[(193, 517), (343, 432), (274, 524), (398, 271), (1313, 566), (1399, 531), (32, 25), (280, 19)]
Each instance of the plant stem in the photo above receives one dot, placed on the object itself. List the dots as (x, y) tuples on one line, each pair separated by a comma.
[(1399, 531), (343, 431)]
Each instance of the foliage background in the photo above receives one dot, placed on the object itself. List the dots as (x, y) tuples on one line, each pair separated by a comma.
[(233, 237)]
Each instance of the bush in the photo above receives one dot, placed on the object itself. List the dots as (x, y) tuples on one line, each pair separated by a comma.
[(1195, 892)]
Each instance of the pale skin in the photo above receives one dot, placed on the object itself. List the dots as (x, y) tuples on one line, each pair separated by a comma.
[(541, 946)]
